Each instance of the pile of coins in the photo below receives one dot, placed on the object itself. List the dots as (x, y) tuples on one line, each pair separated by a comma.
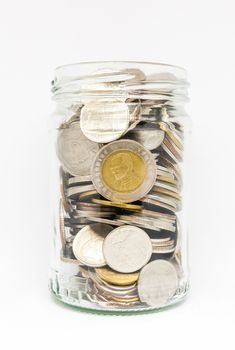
[(120, 186)]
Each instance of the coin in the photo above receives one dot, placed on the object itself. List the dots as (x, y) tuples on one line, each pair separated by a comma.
[(61, 225), (125, 219), (104, 121), (87, 244), (88, 194), (127, 248), (74, 192), (147, 222), (63, 183), (171, 132), (105, 221), (75, 151), (113, 277), (147, 134), (153, 202), (76, 180), (118, 205), (157, 283), (123, 171)]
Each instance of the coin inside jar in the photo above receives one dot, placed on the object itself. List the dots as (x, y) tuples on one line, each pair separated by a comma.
[(149, 135), (123, 171), (113, 277), (158, 282), (87, 244), (104, 121), (75, 151), (127, 248)]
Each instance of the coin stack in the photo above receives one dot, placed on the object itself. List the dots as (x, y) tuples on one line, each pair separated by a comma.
[(120, 193)]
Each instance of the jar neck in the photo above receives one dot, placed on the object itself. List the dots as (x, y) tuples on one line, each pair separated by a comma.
[(125, 81)]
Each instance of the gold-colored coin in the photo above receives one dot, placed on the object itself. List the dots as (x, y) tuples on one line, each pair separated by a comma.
[(113, 277), (88, 193), (173, 136), (169, 193), (123, 171), (166, 179), (118, 205)]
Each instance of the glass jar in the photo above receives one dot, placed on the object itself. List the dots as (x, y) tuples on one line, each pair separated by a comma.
[(119, 230)]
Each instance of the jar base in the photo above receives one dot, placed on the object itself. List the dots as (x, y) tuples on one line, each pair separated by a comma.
[(78, 298)]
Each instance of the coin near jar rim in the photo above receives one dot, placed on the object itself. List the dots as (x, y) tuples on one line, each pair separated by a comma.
[(123, 171), (157, 283), (127, 248), (113, 277), (150, 138), (87, 244), (104, 121), (75, 151)]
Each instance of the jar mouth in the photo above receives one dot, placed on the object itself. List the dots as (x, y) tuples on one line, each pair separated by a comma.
[(118, 79)]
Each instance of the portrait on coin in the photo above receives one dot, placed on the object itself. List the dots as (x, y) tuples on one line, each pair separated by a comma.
[(123, 171)]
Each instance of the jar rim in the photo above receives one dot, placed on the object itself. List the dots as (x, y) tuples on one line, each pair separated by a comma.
[(145, 79), (83, 63)]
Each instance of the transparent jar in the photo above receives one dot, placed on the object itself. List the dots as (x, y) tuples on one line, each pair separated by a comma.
[(119, 230)]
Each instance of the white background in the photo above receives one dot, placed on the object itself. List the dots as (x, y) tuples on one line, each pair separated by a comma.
[(37, 36)]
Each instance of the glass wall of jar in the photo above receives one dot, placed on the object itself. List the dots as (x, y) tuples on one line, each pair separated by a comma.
[(119, 230)]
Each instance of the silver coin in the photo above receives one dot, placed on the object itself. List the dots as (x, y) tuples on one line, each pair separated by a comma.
[(78, 180), (150, 138), (105, 221), (63, 184), (155, 203), (150, 213), (104, 121), (124, 171), (75, 151), (127, 220), (150, 223), (88, 243), (127, 249), (158, 282), (61, 225), (73, 192), (163, 250)]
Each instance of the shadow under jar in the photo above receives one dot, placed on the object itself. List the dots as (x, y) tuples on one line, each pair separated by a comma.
[(118, 134)]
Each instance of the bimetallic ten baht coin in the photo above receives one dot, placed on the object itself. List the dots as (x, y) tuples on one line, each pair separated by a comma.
[(123, 171), (117, 278), (127, 248), (75, 151), (87, 244), (158, 282), (105, 121)]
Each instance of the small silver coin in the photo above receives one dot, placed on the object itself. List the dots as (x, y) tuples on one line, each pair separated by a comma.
[(88, 243), (158, 282), (75, 151), (127, 220), (105, 221), (78, 180), (104, 121), (156, 203), (149, 137), (73, 192), (127, 249)]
